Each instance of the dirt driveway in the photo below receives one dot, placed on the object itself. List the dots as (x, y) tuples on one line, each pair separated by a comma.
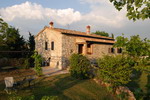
[(48, 71)]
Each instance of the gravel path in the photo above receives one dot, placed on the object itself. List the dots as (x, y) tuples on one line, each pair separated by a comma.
[(48, 71)]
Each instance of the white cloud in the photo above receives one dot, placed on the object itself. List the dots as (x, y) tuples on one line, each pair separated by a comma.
[(102, 12), (102, 16), (33, 11)]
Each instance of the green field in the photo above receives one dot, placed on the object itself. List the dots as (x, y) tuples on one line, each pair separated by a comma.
[(63, 86)]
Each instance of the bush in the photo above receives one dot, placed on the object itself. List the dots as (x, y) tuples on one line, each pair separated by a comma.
[(49, 98), (4, 62), (37, 63), (115, 69), (139, 94), (14, 62), (80, 66), (26, 63), (123, 96)]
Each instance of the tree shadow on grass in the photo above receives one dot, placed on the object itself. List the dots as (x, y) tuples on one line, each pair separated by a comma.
[(147, 97), (56, 88), (134, 84)]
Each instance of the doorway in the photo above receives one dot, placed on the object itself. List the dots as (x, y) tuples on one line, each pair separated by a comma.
[(80, 48)]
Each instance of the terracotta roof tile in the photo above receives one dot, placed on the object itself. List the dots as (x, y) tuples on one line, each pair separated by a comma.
[(73, 32), (83, 35)]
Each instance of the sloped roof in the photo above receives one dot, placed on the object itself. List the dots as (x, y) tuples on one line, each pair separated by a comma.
[(84, 35), (73, 32)]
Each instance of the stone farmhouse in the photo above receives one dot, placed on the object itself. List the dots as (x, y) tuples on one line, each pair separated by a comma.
[(57, 45)]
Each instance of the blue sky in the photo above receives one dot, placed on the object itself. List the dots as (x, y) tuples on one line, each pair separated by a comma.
[(33, 15)]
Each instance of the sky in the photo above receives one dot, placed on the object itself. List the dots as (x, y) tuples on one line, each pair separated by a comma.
[(33, 15)]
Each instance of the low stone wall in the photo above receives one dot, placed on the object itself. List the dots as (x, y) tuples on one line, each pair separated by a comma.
[(119, 90)]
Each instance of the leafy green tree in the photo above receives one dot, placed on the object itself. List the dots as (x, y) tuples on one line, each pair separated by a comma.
[(10, 39), (121, 43), (136, 9), (13, 39), (115, 69), (3, 29), (31, 42), (134, 47), (3, 26), (102, 33), (137, 49), (112, 35)]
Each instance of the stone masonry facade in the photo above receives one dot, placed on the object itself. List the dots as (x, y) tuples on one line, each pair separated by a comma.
[(57, 45)]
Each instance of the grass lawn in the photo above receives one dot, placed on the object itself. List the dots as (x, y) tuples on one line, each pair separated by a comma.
[(63, 86)]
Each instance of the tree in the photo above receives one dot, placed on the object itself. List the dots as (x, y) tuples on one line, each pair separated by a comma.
[(115, 70), (121, 42), (31, 42), (102, 33), (138, 50), (14, 41), (10, 39), (136, 9), (134, 47), (137, 47), (3, 28), (112, 35)]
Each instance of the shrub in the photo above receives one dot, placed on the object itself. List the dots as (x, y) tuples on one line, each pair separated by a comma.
[(17, 97), (123, 96), (37, 63), (17, 62), (26, 63), (4, 62), (114, 69), (80, 66), (139, 94), (49, 98)]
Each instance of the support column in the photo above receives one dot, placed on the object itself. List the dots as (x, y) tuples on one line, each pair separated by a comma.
[(85, 49)]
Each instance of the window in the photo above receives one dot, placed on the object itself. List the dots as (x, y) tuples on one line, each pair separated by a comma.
[(111, 50), (46, 46), (89, 48), (52, 45), (119, 50)]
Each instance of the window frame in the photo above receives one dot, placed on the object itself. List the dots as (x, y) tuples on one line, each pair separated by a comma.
[(52, 45), (46, 45)]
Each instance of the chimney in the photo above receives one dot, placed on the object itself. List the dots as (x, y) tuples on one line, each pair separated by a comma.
[(51, 24), (88, 29)]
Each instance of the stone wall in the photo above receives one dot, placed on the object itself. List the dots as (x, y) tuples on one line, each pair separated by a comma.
[(65, 46), (99, 50), (55, 55), (70, 46)]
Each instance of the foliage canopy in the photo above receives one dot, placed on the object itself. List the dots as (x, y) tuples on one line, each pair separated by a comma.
[(102, 33), (135, 46), (115, 69), (136, 9)]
